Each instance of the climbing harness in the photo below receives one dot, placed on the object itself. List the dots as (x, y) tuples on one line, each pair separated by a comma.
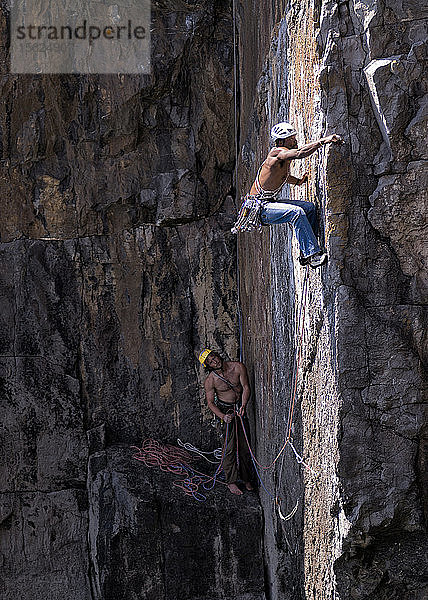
[(249, 214), (252, 205)]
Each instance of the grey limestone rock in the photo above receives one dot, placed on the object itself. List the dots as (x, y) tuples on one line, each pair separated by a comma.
[(357, 69)]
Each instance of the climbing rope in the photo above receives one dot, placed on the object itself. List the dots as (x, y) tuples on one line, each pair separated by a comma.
[(176, 460), (288, 439), (294, 382), (190, 448), (277, 499), (300, 459), (235, 95), (164, 456), (290, 515), (236, 132)]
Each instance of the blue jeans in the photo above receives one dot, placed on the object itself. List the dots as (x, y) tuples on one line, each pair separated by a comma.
[(303, 217)]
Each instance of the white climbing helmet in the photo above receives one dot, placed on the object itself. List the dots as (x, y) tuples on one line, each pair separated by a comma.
[(283, 130)]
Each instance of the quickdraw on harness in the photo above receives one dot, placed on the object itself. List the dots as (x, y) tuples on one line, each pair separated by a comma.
[(249, 214)]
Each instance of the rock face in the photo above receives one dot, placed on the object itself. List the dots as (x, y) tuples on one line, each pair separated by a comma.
[(357, 69), (146, 540), (116, 267)]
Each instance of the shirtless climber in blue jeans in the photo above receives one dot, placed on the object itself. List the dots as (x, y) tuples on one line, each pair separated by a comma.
[(273, 174)]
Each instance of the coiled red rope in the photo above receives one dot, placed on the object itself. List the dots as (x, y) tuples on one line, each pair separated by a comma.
[(164, 456), (172, 459)]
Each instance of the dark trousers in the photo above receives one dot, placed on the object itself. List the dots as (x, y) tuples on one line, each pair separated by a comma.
[(236, 442)]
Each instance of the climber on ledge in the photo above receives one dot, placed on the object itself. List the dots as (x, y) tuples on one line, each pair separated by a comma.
[(261, 207), (227, 393)]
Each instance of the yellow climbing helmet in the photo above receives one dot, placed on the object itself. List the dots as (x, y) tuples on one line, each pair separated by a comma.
[(203, 356)]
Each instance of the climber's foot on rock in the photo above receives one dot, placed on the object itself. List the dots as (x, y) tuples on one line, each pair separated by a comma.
[(248, 486), (234, 489), (316, 260)]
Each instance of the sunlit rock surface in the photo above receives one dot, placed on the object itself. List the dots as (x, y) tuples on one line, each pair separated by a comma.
[(357, 69)]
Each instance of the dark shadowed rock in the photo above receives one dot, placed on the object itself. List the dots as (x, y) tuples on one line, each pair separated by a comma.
[(116, 267), (139, 520)]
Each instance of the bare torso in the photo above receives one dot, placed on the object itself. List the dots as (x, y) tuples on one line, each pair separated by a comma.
[(224, 392), (273, 172)]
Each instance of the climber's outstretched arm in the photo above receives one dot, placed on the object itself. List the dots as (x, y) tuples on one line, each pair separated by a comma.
[(307, 149)]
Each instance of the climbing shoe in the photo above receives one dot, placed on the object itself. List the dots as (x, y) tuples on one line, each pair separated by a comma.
[(316, 260), (304, 260)]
